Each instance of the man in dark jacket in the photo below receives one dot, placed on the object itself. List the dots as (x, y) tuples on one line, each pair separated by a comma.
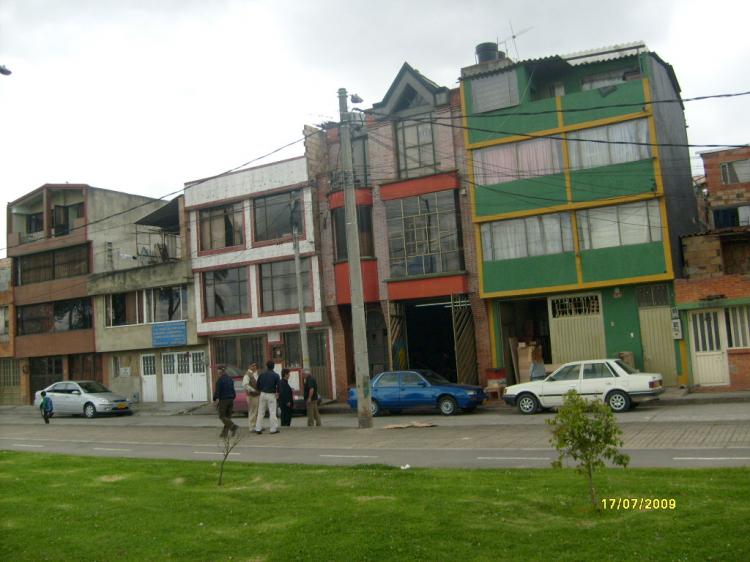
[(224, 400), (268, 385), (286, 399), (311, 398)]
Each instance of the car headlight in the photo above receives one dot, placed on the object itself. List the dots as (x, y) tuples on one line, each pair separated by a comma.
[(471, 392)]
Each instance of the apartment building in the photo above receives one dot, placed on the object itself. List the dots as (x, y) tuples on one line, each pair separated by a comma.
[(580, 189), (714, 296), (58, 235), (11, 391), (244, 274)]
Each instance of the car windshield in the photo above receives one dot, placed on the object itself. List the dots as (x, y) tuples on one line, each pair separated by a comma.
[(432, 377), (92, 387), (625, 367)]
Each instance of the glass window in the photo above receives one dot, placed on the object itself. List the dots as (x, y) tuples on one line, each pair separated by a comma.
[(58, 264), (364, 221), (531, 236), (388, 379), (424, 235), (416, 153), (221, 227), (738, 326), (124, 309), (60, 316), (518, 160), (596, 371), (610, 144), (278, 285), (35, 222), (410, 379), (4, 322), (619, 225), (569, 373), (225, 292), (167, 304), (272, 215), (735, 172), (72, 315)]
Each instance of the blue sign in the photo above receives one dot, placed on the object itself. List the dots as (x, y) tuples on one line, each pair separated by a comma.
[(167, 334)]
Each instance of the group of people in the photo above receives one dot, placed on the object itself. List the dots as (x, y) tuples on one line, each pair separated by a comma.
[(265, 391)]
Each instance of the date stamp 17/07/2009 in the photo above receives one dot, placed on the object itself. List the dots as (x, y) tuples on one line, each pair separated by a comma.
[(640, 504)]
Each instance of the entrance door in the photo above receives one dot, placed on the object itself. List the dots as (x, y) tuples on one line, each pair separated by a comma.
[(655, 316), (148, 378), (576, 328), (184, 377), (463, 340), (708, 349)]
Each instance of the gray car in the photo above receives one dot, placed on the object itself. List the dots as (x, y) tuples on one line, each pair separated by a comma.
[(84, 397)]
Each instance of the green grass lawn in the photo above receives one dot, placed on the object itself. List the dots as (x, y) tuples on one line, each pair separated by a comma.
[(55, 507)]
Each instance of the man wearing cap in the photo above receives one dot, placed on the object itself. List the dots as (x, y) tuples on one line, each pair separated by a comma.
[(311, 398), (224, 400), (250, 384), (268, 385)]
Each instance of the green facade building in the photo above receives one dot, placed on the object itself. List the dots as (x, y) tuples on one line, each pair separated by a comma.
[(580, 184)]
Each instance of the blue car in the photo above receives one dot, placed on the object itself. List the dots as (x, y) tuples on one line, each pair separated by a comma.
[(397, 390)]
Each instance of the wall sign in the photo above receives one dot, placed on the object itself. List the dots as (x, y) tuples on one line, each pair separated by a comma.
[(167, 334)]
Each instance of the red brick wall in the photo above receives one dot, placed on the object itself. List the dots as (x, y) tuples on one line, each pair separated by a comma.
[(694, 290), (739, 369)]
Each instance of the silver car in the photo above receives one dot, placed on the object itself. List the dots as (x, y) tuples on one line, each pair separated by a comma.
[(84, 397)]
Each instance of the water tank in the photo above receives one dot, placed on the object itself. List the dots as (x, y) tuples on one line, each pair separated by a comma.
[(486, 52)]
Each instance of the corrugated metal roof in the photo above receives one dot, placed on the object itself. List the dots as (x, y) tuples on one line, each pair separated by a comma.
[(601, 54), (728, 231)]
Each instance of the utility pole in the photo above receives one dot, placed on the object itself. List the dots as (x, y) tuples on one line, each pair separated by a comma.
[(359, 329), (296, 220)]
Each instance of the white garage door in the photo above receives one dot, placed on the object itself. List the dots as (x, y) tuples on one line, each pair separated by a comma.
[(576, 327), (184, 377)]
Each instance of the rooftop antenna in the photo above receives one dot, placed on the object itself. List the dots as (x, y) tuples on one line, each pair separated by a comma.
[(513, 35)]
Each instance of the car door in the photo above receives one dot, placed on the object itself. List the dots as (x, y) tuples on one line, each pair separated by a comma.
[(596, 380), (386, 390), (60, 399), (415, 391), (77, 398), (559, 383)]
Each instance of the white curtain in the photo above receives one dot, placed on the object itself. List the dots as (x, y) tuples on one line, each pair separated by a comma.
[(654, 220), (604, 227), (629, 132), (587, 154), (633, 222), (509, 239), (584, 153), (539, 157), (534, 236), (496, 164)]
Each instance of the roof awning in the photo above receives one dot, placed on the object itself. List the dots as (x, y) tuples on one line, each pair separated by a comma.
[(166, 217)]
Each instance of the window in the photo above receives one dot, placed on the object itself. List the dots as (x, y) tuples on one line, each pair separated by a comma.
[(272, 215), (569, 373), (619, 225), (411, 379), (240, 352), (596, 371), (149, 364), (64, 217), (364, 221), (58, 264), (124, 309), (735, 172), (60, 316), (518, 160), (388, 379), (166, 304), (611, 144), (738, 326), (199, 362), (4, 323), (584, 305), (732, 216), (531, 236), (316, 346), (416, 153), (225, 292), (168, 366), (221, 227), (609, 78), (278, 285), (35, 222), (652, 295), (424, 234), (494, 92)]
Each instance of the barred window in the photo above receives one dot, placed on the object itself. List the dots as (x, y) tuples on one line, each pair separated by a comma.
[(584, 305), (149, 364), (652, 295)]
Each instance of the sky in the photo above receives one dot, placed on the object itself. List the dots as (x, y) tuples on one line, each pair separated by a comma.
[(142, 96)]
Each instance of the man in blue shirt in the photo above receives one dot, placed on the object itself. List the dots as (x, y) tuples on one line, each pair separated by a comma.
[(224, 400), (268, 385)]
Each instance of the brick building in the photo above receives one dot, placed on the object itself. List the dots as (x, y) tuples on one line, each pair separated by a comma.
[(714, 297)]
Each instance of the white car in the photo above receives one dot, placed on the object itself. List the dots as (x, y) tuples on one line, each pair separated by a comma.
[(84, 397), (610, 380)]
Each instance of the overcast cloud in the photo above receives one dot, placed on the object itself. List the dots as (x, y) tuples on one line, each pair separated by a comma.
[(141, 96)]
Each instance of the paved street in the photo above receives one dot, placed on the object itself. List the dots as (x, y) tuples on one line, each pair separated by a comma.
[(655, 435)]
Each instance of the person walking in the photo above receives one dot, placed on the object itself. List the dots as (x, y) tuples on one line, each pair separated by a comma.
[(311, 399), (286, 399), (224, 395), (250, 384), (46, 407), (268, 385)]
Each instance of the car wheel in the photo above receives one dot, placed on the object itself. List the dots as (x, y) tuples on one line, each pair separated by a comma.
[(374, 408), (447, 406), (618, 401), (528, 404), (89, 410)]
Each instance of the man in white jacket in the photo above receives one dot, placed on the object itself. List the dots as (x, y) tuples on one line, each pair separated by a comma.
[(250, 384)]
